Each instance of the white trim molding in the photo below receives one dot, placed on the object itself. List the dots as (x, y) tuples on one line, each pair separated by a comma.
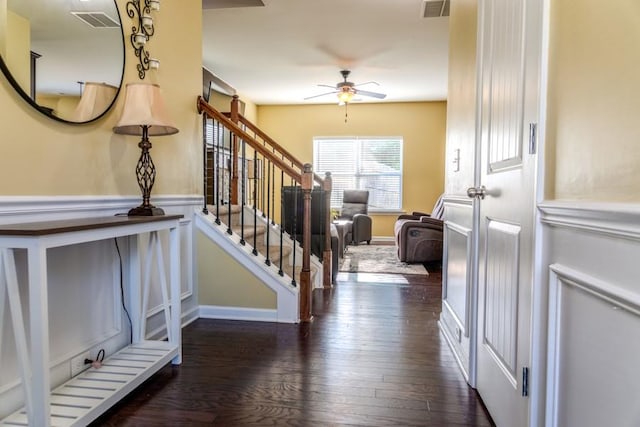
[(41, 208), (238, 313), (614, 219)]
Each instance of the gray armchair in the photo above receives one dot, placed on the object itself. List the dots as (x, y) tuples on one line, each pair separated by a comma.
[(355, 209)]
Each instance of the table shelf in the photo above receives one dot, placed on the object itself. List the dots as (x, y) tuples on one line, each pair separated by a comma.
[(84, 397)]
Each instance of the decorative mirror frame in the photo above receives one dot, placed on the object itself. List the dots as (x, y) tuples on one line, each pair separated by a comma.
[(9, 76)]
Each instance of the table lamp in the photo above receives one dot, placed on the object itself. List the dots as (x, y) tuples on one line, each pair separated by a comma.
[(145, 114)]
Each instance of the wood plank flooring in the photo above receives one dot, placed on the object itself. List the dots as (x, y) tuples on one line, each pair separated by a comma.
[(373, 356)]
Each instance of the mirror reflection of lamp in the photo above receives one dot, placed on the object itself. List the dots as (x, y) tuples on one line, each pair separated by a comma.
[(145, 114), (94, 101)]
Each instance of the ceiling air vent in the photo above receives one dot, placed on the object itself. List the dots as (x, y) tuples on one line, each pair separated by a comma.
[(435, 8), (224, 4), (96, 19)]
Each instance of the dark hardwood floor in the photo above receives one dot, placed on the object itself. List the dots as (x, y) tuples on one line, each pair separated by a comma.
[(373, 356)]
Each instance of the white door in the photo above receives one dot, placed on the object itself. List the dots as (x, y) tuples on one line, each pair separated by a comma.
[(509, 68)]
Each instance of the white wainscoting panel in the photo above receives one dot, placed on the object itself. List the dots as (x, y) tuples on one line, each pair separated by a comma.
[(455, 286), (591, 307), (457, 318), (594, 345), (501, 286)]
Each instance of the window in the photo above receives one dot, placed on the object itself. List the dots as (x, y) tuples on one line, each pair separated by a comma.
[(366, 163)]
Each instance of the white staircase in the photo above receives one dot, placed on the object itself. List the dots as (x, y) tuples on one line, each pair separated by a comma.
[(278, 276)]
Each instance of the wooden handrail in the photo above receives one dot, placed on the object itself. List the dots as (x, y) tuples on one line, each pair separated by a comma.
[(203, 106), (255, 129), (290, 157)]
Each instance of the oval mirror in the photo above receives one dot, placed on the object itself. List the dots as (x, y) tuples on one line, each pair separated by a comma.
[(66, 58)]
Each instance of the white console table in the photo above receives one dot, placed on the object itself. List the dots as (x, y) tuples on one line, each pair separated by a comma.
[(84, 397)]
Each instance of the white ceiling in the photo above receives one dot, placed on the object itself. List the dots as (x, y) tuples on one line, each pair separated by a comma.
[(279, 53)]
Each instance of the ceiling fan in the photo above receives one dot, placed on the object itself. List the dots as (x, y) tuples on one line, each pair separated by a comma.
[(346, 90)]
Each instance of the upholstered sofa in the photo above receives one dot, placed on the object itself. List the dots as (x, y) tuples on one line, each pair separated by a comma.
[(419, 236)]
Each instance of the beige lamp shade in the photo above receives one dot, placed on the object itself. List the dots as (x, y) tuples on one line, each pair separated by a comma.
[(144, 106), (95, 99)]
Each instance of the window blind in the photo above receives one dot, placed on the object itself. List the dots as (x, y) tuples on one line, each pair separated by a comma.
[(367, 163)]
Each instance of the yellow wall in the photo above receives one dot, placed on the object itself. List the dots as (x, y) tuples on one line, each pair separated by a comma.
[(43, 157), (594, 101), (461, 99), (250, 109), (18, 48), (421, 124), (224, 282)]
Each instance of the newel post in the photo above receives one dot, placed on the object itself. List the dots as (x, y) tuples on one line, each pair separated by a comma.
[(327, 268), (305, 274), (235, 118)]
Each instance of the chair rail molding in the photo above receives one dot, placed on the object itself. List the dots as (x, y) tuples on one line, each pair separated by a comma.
[(63, 207), (614, 219)]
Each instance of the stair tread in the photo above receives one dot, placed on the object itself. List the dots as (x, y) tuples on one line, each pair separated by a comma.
[(224, 209), (260, 230), (249, 231)]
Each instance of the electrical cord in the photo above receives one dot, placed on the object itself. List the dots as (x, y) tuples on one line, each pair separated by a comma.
[(98, 362), (124, 307)]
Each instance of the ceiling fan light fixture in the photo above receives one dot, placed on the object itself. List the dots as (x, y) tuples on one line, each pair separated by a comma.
[(345, 96)]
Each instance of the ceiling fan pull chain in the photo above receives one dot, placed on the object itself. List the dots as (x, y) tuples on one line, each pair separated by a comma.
[(346, 105)]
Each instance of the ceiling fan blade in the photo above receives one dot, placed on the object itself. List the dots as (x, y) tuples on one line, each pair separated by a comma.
[(322, 94), (329, 86), (367, 83), (371, 94)]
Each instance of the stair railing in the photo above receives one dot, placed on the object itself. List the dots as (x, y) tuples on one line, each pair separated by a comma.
[(240, 169), (323, 183)]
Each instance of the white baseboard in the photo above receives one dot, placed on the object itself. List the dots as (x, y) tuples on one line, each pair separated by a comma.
[(382, 239), (238, 313)]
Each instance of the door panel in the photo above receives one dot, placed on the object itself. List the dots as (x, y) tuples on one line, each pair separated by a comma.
[(505, 80), (501, 295), (509, 63)]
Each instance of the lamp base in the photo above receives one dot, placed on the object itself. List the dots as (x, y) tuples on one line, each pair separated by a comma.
[(146, 211)]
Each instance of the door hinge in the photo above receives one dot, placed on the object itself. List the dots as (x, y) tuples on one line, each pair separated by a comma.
[(525, 381), (533, 138)]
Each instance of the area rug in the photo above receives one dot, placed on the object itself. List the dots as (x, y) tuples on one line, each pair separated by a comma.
[(377, 259)]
